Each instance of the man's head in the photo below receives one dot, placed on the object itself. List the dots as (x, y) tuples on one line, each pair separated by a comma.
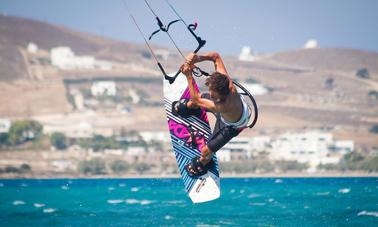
[(218, 86)]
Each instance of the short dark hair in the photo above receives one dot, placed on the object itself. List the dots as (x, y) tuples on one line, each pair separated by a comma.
[(219, 82)]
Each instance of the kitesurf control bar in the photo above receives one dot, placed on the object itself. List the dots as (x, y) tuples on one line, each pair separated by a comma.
[(191, 27), (163, 28)]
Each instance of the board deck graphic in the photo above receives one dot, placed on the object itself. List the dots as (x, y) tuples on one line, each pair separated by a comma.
[(186, 147)]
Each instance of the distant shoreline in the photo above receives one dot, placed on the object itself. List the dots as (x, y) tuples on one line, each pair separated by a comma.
[(157, 176)]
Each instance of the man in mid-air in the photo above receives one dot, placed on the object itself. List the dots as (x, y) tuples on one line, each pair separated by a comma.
[(231, 111)]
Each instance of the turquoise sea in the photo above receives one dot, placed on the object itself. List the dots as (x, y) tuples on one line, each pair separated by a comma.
[(163, 202)]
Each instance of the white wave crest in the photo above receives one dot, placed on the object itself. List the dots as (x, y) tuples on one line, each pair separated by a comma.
[(368, 213), (253, 195), (257, 204), (141, 202), (64, 187), (115, 201), (18, 202), (146, 202), (134, 189), (174, 202), (167, 217), (132, 201), (323, 193), (49, 210), (344, 190)]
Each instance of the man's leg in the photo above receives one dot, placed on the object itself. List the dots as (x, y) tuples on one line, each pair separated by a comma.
[(199, 166)]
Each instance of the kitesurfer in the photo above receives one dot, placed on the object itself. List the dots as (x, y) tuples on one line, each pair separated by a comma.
[(223, 100)]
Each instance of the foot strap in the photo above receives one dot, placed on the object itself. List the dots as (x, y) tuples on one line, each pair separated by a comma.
[(196, 169), (180, 108)]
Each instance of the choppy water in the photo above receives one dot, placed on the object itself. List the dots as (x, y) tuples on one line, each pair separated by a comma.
[(163, 202)]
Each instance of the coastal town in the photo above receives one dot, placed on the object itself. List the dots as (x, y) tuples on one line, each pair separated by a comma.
[(111, 120)]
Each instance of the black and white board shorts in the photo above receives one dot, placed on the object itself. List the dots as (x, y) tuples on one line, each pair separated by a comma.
[(222, 133)]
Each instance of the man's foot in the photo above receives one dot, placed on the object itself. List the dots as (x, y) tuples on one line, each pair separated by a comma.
[(184, 109), (196, 168)]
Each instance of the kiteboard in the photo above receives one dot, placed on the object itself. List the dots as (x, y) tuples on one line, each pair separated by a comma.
[(188, 136)]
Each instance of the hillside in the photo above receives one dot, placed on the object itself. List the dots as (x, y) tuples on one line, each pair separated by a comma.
[(309, 88), (19, 32)]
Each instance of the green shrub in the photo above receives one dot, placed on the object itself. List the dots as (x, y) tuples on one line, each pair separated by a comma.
[(95, 167), (142, 167), (373, 94), (58, 140), (286, 166), (119, 166), (25, 168), (363, 73), (22, 131), (12, 169), (374, 129)]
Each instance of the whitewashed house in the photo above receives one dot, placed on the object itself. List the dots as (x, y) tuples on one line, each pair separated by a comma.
[(100, 88), (239, 148), (224, 155), (311, 147), (344, 146), (64, 58), (246, 54), (32, 48), (161, 136), (260, 144), (5, 125)]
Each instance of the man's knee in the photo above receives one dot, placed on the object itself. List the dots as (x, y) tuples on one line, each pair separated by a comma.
[(205, 149), (222, 138)]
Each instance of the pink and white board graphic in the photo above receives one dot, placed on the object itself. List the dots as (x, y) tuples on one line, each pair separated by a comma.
[(206, 187)]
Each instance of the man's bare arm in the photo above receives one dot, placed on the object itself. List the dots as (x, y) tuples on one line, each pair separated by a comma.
[(186, 69), (218, 64)]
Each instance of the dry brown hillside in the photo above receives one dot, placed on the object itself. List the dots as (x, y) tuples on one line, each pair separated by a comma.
[(309, 88)]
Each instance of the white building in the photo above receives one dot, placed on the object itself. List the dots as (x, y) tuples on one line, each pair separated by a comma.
[(311, 44), (64, 58), (5, 125), (103, 65), (260, 144), (100, 88), (224, 155), (246, 54), (136, 151), (32, 48), (155, 136), (134, 96), (344, 146), (311, 147), (78, 99), (239, 148)]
